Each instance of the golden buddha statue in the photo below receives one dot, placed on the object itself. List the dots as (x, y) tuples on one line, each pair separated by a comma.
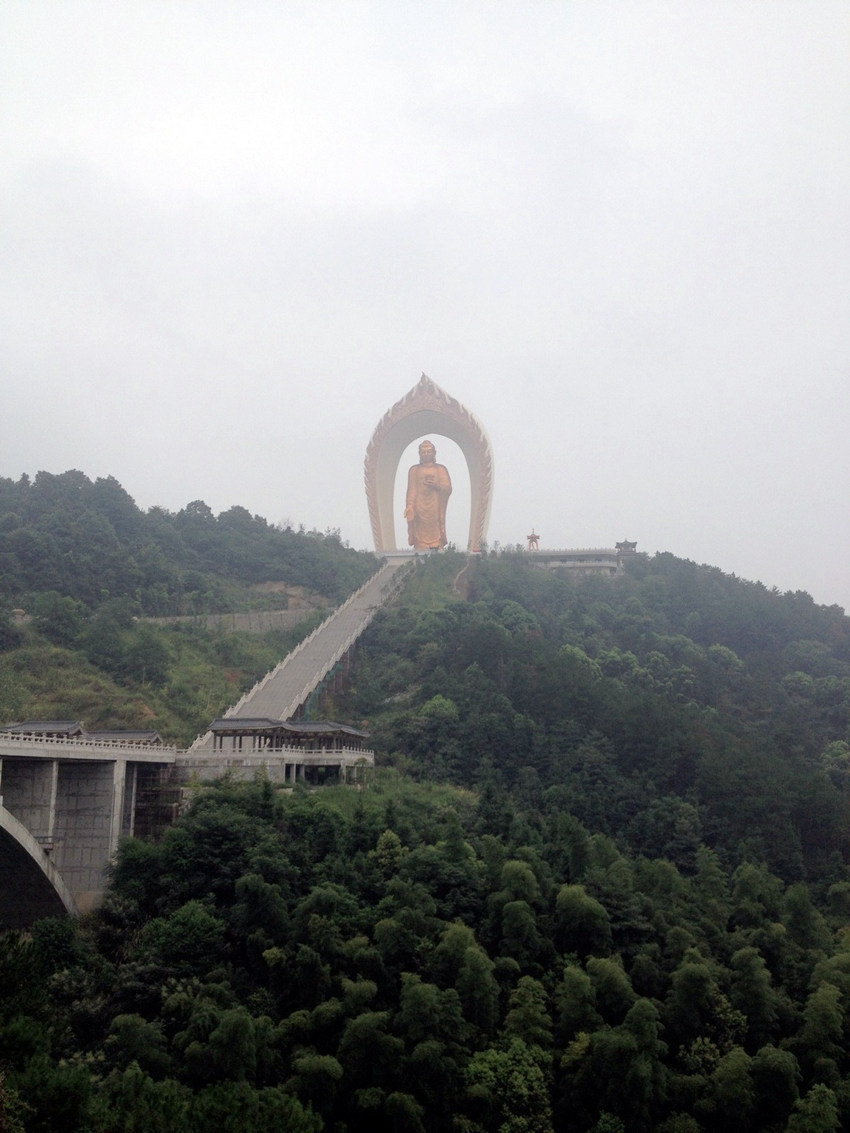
[(428, 489)]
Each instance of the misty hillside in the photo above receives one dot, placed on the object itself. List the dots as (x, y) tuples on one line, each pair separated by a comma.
[(599, 881), (598, 884), (86, 566), (669, 707), (87, 540), (675, 681)]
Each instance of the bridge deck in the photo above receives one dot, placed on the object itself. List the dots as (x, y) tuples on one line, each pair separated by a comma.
[(13, 745)]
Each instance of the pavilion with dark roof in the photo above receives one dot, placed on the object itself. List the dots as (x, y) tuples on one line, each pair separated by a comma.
[(314, 751)]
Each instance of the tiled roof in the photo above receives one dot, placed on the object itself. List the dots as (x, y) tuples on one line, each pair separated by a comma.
[(236, 724), (46, 727)]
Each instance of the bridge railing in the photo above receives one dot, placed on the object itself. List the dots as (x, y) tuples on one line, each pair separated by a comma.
[(609, 552), (297, 754), (15, 740), (281, 765)]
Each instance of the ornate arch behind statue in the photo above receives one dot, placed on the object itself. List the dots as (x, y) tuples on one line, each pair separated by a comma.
[(426, 409)]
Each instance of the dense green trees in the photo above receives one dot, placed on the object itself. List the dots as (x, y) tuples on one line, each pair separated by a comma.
[(674, 707), (291, 959), (87, 541), (601, 883)]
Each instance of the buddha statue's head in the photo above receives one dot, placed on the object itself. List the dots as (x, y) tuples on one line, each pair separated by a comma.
[(427, 452)]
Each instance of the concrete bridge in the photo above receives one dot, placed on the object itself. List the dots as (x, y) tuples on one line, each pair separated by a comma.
[(65, 803), (66, 800)]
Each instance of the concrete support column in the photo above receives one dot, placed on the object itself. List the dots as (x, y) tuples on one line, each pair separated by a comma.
[(29, 793), (54, 787), (128, 808), (119, 779), (87, 825)]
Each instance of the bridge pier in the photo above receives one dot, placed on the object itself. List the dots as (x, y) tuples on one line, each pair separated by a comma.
[(67, 804), (76, 811), (89, 824)]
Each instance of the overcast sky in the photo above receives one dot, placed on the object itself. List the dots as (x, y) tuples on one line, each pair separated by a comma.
[(234, 234)]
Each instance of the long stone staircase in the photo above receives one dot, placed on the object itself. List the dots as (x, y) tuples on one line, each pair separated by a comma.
[(284, 689)]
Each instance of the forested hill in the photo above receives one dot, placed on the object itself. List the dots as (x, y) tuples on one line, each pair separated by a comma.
[(87, 565), (87, 540), (669, 707), (599, 884)]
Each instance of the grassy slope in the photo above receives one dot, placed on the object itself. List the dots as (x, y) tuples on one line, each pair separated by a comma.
[(206, 672)]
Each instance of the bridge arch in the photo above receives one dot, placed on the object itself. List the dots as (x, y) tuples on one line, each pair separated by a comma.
[(426, 409), (35, 888)]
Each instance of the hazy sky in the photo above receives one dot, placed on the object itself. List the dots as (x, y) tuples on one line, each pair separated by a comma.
[(234, 234)]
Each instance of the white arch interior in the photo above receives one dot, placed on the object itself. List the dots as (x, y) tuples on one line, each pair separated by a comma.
[(421, 423)]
